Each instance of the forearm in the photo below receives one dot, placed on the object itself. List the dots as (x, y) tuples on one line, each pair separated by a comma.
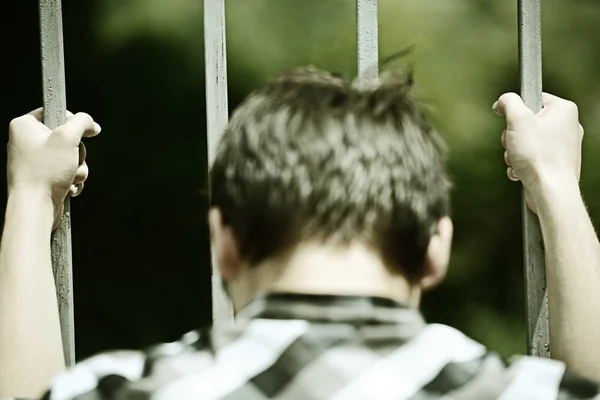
[(30, 339), (572, 255)]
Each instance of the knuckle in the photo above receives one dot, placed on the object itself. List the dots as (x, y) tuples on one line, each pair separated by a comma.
[(571, 106), (83, 171), (83, 114), (82, 151), (508, 96), (14, 123), (61, 130), (85, 117)]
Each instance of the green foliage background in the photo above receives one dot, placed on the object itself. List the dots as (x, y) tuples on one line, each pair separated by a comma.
[(140, 240)]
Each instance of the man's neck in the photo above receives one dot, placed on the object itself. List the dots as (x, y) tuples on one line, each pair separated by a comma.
[(319, 269)]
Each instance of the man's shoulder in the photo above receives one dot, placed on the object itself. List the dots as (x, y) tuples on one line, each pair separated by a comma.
[(546, 378), (109, 368), (143, 371), (202, 364), (466, 369), (518, 377)]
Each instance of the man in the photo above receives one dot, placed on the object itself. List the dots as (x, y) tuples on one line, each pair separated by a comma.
[(329, 218)]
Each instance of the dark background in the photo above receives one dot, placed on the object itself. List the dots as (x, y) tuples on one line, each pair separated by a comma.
[(140, 240)]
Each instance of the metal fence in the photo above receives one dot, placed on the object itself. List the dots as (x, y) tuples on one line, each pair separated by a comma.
[(217, 116)]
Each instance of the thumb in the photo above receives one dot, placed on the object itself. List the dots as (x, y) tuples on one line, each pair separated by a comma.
[(77, 126), (511, 106)]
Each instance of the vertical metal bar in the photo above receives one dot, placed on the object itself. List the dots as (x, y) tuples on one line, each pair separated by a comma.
[(530, 60), (367, 41), (215, 58), (55, 106)]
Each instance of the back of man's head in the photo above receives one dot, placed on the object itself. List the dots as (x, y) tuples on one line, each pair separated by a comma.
[(312, 157)]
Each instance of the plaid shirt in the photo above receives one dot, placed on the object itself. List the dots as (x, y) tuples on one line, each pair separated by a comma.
[(304, 347)]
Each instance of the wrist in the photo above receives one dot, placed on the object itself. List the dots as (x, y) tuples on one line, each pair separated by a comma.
[(31, 201), (37, 192), (552, 187)]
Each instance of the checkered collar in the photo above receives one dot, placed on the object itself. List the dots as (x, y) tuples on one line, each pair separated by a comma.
[(332, 308)]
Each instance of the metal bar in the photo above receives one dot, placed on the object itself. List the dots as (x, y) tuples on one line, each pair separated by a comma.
[(367, 41), (215, 58), (530, 60), (55, 106)]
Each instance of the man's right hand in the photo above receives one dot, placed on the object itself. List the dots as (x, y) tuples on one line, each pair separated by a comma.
[(542, 149), (48, 162)]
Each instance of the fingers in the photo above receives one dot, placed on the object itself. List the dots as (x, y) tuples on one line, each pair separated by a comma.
[(38, 114), (81, 125), (25, 122), (520, 120), (82, 153), (510, 103), (511, 106), (78, 183), (77, 127), (82, 174), (76, 189), (511, 174), (550, 99)]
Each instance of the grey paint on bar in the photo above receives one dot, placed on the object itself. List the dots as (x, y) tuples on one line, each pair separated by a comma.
[(530, 59), (55, 105), (215, 59), (367, 39)]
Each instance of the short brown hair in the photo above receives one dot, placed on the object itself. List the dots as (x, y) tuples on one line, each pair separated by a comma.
[(312, 156)]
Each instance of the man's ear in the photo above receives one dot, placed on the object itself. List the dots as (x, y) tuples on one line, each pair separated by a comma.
[(224, 244), (437, 256)]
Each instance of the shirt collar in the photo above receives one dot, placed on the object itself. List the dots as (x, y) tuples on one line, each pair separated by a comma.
[(331, 308)]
